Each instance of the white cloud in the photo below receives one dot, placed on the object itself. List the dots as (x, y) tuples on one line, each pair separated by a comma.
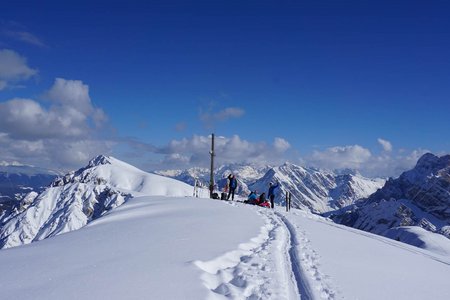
[(175, 159), (13, 68), (281, 145), (61, 134), (341, 157), (394, 164), (63, 154), (386, 164), (210, 118), (26, 37), (19, 32), (387, 146), (228, 113), (69, 115), (71, 93)]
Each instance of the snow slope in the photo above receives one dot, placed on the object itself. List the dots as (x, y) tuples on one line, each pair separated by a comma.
[(76, 199), (155, 247)]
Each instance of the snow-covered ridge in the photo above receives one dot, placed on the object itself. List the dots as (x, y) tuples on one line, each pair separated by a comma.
[(79, 197)]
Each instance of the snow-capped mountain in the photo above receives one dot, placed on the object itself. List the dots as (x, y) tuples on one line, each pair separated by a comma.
[(316, 190), (418, 198), (79, 197)]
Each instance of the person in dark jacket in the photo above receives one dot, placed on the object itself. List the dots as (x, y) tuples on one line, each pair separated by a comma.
[(271, 193), (232, 185)]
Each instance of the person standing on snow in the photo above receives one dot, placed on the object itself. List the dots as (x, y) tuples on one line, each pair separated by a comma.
[(232, 185), (271, 193)]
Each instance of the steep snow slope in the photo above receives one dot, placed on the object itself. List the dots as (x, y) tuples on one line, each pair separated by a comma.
[(190, 248), (80, 197)]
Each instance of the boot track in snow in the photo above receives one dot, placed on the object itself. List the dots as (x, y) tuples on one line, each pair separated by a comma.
[(269, 266)]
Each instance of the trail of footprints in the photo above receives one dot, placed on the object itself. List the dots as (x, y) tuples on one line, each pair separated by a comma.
[(242, 273), (249, 272), (310, 263)]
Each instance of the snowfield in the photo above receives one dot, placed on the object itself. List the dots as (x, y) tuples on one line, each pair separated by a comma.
[(156, 247)]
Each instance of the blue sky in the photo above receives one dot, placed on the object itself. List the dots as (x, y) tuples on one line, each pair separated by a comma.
[(358, 84)]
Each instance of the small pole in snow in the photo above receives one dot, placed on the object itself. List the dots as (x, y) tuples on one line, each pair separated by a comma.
[(211, 178), (290, 200), (196, 186), (287, 201)]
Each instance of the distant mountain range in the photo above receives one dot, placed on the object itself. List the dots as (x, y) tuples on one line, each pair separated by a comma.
[(418, 198), (312, 189)]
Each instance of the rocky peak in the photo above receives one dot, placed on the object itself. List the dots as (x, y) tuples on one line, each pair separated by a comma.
[(419, 197), (99, 160)]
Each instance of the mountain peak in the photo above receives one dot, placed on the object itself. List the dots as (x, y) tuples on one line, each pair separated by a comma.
[(428, 164), (99, 160), (427, 159)]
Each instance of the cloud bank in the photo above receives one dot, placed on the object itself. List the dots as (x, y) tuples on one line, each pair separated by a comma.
[(189, 152), (385, 164)]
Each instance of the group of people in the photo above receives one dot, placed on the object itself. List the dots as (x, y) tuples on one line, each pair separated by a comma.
[(262, 200), (253, 197), (255, 200)]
